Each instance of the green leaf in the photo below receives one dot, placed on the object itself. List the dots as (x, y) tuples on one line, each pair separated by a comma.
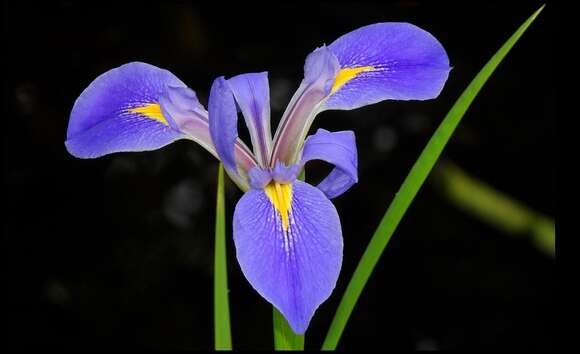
[(222, 331), (284, 337), (409, 189)]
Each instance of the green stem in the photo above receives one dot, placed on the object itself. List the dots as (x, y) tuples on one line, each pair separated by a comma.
[(222, 330), (284, 337)]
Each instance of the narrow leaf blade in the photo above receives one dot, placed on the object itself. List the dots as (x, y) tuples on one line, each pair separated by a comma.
[(410, 187)]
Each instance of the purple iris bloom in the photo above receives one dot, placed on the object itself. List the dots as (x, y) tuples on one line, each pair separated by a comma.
[(287, 233)]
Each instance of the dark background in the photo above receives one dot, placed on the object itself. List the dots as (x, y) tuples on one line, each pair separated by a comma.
[(117, 252)]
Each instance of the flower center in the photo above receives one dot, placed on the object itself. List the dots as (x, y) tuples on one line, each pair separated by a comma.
[(280, 195)]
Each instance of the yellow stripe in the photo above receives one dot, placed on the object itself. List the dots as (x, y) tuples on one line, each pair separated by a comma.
[(150, 110), (347, 74), (281, 197)]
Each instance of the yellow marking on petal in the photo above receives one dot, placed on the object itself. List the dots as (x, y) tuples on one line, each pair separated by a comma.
[(347, 74), (152, 111), (281, 197)]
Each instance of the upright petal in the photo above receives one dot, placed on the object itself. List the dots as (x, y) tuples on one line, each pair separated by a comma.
[(252, 93), (339, 149), (223, 121), (120, 111), (223, 127), (387, 61), (293, 263)]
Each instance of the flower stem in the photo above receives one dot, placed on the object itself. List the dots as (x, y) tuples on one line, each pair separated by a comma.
[(222, 331), (284, 337)]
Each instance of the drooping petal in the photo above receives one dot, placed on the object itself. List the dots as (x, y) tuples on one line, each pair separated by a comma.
[(120, 111), (371, 64), (139, 107), (339, 149), (292, 261), (387, 61), (252, 94), (320, 70)]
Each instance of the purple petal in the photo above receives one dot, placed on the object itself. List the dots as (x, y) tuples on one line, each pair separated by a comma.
[(339, 149), (185, 113), (387, 61), (294, 268), (223, 127), (120, 135), (223, 121), (120, 111), (371, 64), (320, 71), (252, 94)]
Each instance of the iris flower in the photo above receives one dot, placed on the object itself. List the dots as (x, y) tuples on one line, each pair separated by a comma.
[(287, 233)]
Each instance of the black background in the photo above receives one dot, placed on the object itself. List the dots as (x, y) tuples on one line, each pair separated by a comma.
[(117, 252)]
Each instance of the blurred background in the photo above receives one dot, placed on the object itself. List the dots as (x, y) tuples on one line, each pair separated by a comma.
[(117, 252)]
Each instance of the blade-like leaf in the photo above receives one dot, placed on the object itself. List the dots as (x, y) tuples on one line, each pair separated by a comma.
[(222, 331), (410, 187)]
